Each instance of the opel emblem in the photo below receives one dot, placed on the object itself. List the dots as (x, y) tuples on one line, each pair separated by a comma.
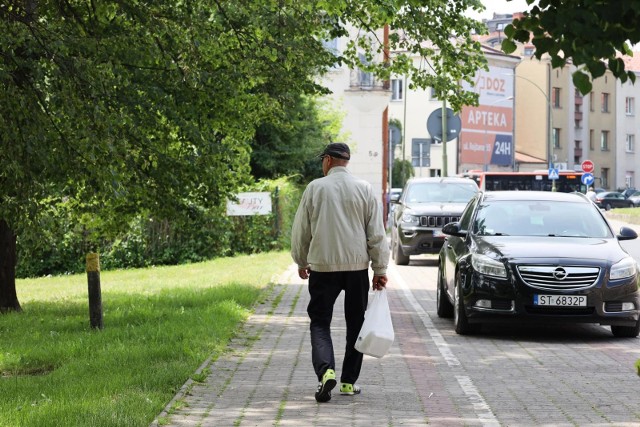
[(560, 273)]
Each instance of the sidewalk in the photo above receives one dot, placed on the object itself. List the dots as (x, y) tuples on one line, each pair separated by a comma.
[(267, 378)]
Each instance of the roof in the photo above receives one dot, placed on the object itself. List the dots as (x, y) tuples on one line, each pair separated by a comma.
[(442, 179), (525, 158), (535, 195)]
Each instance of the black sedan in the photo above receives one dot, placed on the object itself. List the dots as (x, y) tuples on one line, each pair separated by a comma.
[(613, 199), (539, 256)]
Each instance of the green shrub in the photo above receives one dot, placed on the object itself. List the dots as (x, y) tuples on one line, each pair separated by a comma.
[(60, 242)]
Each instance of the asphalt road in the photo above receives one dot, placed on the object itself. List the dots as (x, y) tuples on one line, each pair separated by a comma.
[(514, 374)]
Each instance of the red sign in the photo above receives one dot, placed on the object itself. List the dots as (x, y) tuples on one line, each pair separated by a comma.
[(587, 166)]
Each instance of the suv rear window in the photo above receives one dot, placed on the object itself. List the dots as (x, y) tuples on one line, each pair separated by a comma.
[(429, 192)]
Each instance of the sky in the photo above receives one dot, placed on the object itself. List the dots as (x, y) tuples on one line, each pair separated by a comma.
[(500, 6)]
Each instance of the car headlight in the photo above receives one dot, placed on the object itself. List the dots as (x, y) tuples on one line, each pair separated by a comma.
[(407, 218), (487, 266), (622, 269)]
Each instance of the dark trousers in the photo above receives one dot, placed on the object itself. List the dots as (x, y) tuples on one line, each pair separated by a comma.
[(324, 289)]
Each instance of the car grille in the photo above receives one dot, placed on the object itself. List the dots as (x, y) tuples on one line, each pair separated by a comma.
[(558, 278), (437, 221)]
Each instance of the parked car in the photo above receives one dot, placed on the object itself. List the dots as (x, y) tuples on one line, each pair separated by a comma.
[(635, 198), (426, 204), (612, 199), (627, 192), (537, 256)]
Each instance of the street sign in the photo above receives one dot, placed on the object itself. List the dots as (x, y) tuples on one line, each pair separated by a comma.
[(434, 124), (553, 174), (587, 166), (587, 179)]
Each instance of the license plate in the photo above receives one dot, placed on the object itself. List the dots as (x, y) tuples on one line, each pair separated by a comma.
[(560, 300)]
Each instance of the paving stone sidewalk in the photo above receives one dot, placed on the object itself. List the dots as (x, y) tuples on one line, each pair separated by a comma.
[(267, 378)]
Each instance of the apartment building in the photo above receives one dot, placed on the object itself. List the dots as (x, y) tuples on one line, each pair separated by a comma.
[(363, 99)]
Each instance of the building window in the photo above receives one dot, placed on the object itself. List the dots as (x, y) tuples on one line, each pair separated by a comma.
[(630, 143), (630, 106), (604, 176), (529, 50), (555, 97), (604, 140), (605, 102), (591, 139), (396, 89), (628, 179), (556, 138), (332, 46), (591, 107), (432, 94)]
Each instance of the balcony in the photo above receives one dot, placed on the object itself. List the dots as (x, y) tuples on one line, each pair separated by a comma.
[(361, 80)]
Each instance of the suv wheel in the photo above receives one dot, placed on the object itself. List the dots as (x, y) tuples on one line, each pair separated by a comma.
[(398, 255)]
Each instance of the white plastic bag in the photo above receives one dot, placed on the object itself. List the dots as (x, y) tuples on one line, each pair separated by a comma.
[(376, 335)]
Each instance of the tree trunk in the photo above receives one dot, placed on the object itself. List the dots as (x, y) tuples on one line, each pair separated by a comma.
[(8, 296)]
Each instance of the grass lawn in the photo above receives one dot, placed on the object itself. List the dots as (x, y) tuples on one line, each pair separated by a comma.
[(160, 325), (630, 215)]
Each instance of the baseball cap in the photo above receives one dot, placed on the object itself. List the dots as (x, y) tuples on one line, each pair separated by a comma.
[(339, 150)]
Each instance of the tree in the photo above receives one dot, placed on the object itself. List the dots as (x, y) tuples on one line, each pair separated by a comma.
[(129, 106), (290, 146), (590, 34), (403, 170)]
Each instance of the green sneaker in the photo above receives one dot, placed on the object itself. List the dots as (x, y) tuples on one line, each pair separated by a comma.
[(347, 389), (328, 383)]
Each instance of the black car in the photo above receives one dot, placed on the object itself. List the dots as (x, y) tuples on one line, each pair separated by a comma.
[(426, 204), (612, 199), (627, 192), (538, 256)]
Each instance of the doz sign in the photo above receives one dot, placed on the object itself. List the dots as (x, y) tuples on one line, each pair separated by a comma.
[(587, 166)]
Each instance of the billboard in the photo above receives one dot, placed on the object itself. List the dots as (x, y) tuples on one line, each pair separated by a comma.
[(486, 137)]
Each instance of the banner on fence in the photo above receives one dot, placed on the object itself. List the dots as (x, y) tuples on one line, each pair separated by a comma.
[(250, 204)]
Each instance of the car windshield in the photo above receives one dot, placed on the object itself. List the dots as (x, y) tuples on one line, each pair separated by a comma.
[(539, 218), (447, 192)]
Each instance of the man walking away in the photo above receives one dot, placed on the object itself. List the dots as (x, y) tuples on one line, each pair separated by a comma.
[(338, 232)]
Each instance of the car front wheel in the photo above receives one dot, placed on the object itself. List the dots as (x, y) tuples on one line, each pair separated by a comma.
[(444, 308), (626, 331), (460, 319)]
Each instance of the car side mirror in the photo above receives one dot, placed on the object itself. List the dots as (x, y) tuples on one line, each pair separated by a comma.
[(453, 229), (627, 233), (395, 198)]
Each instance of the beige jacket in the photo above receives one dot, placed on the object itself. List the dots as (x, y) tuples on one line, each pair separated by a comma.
[(338, 226)]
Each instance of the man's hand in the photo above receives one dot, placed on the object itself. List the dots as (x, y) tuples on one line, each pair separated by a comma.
[(379, 282), (304, 272)]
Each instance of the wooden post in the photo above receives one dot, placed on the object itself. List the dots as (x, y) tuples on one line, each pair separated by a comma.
[(95, 295)]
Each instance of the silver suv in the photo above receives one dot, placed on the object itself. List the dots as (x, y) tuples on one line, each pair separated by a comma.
[(425, 205)]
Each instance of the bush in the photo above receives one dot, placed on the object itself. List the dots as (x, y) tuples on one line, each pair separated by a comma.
[(61, 241)]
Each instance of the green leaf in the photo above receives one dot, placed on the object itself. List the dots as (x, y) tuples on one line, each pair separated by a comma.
[(508, 46), (596, 68), (582, 82)]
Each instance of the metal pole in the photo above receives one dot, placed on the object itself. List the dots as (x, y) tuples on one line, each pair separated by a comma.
[(550, 122), (444, 137), (390, 162)]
